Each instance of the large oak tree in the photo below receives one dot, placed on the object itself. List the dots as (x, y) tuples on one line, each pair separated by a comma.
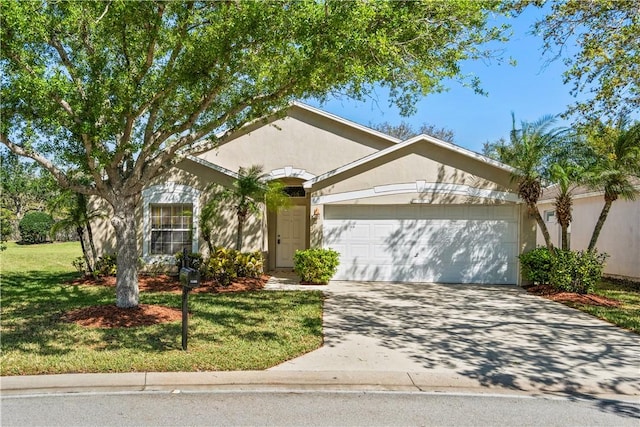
[(121, 91)]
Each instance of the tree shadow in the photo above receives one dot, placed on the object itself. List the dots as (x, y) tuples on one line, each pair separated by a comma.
[(497, 335)]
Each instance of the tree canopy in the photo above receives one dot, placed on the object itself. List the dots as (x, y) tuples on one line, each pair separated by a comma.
[(405, 130), (605, 70), (121, 91)]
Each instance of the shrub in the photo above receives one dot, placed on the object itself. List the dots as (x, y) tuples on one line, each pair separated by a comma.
[(316, 265), (194, 260), (34, 227), (226, 265), (80, 264), (106, 265), (536, 265), (576, 271), (6, 227), (249, 264)]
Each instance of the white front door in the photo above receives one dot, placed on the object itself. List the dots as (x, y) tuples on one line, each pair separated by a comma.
[(290, 234)]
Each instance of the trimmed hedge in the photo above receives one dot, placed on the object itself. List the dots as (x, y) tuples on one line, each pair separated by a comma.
[(316, 265), (536, 265), (571, 271), (576, 271), (35, 227)]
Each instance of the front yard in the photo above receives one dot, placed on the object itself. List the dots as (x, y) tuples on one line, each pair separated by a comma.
[(227, 331), (627, 314)]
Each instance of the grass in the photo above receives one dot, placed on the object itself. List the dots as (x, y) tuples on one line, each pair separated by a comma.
[(244, 331), (627, 315)]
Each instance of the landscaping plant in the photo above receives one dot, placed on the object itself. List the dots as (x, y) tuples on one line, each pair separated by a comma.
[(34, 227), (316, 265), (536, 265), (225, 265), (576, 271)]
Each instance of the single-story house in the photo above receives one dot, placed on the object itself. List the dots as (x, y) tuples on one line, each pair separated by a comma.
[(619, 237), (420, 210)]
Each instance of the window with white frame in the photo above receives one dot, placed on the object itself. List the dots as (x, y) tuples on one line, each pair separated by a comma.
[(169, 213), (550, 216), (171, 228)]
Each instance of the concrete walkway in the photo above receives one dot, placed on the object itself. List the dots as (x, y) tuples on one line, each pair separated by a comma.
[(420, 337)]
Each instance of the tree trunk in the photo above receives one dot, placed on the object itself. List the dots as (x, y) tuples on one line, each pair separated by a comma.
[(80, 232), (533, 210), (565, 237), (209, 244), (241, 219), (94, 253), (124, 222), (601, 219)]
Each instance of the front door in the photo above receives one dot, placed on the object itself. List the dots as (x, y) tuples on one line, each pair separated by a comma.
[(290, 234)]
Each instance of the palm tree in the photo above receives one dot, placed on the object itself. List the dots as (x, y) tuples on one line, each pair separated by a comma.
[(208, 217), (246, 195), (529, 150), (566, 177), (77, 217), (616, 152)]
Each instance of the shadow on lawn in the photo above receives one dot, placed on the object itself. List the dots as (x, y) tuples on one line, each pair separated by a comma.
[(34, 302)]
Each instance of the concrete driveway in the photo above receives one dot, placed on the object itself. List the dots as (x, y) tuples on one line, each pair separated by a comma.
[(472, 335)]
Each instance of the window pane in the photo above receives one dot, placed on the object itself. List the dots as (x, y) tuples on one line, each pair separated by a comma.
[(170, 228)]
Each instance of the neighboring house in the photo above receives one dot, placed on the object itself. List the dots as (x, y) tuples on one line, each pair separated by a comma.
[(420, 210), (619, 237)]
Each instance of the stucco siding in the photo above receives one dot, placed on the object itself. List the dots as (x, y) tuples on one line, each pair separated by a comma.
[(620, 236), (296, 143)]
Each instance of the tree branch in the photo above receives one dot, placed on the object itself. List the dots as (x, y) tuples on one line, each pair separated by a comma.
[(59, 175), (55, 43)]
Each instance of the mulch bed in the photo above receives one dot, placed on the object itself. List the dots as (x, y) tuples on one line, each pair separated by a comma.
[(166, 283), (549, 292), (110, 316)]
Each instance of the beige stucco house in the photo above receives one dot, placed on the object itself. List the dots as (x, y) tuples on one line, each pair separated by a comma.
[(620, 236), (420, 210)]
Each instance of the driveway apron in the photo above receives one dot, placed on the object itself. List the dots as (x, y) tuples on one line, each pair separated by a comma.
[(472, 334)]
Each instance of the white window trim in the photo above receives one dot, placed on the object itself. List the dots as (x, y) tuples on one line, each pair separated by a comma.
[(168, 193)]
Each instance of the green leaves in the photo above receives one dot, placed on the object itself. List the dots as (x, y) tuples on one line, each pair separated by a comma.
[(138, 82), (605, 69)]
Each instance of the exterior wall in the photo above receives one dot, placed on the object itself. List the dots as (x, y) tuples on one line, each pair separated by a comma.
[(619, 237), (307, 144), (301, 141)]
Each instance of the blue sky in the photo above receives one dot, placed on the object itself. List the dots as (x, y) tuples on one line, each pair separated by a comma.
[(531, 89)]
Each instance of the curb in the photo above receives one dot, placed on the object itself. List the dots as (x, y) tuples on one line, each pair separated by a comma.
[(277, 381)]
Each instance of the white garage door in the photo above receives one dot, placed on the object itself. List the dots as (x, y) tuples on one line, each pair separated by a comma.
[(424, 243)]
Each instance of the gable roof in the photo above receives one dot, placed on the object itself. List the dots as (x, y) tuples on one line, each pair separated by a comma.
[(285, 112), (319, 181)]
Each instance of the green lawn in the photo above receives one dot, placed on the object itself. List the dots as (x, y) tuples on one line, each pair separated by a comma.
[(244, 331), (627, 315)]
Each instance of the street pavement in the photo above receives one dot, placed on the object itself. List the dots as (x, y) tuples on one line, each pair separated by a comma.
[(311, 408)]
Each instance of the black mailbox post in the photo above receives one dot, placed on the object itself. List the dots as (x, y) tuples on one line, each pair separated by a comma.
[(190, 279)]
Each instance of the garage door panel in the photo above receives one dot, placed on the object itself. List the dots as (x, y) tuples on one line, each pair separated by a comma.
[(475, 247)]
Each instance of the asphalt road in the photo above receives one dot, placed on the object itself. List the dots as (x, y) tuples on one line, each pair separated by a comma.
[(312, 408)]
